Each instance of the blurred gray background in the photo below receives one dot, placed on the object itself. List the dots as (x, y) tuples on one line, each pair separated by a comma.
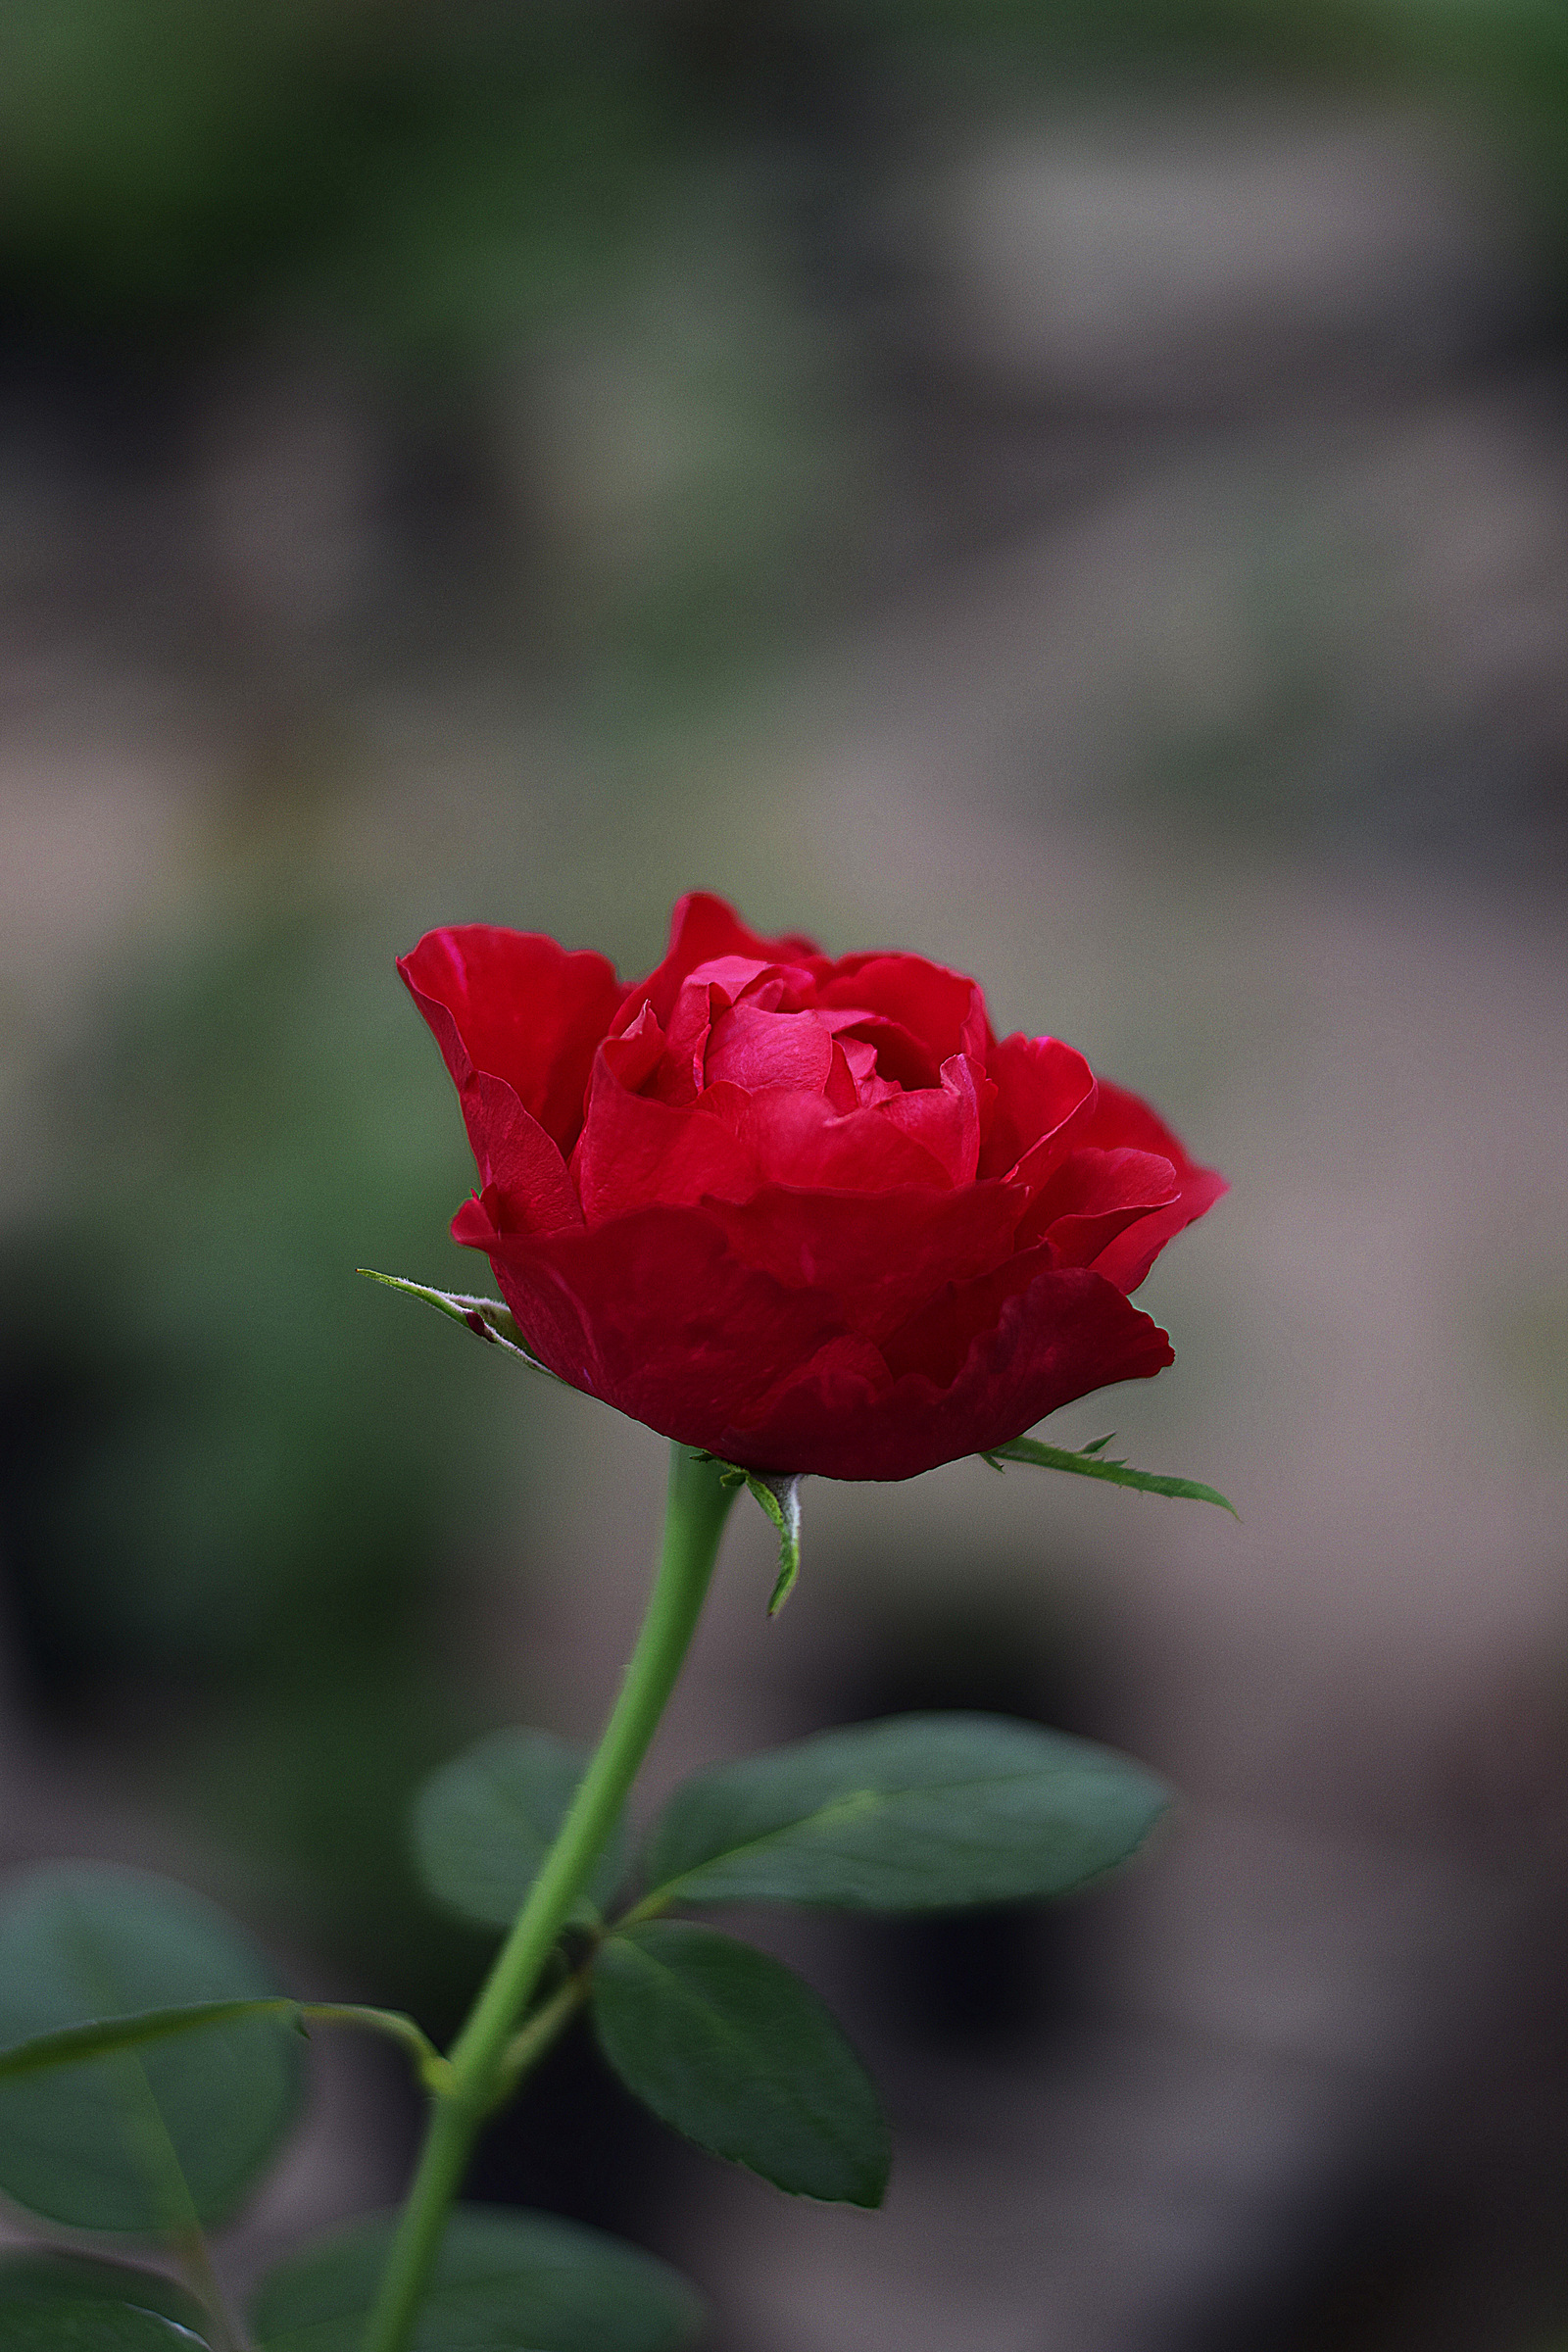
[(1077, 491)]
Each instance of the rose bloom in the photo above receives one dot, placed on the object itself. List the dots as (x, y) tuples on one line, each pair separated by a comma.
[(807, 1214)]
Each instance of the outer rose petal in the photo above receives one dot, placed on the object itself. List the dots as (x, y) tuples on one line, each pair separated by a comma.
[(1119, 1118), (518, 1006), (654, 1314), (1070, 1331), (1044, 1094), (1092, 1198), (879, 1256)]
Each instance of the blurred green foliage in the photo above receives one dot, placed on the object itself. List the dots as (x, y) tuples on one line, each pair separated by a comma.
[(240, 1482), (439, 179), (236, 1485), (440, 170)]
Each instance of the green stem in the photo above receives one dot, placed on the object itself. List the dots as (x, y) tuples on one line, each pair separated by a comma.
[(432, 2068), (694, 1521)]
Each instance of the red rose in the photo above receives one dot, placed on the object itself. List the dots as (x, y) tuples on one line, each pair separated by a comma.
[(807, 1214)]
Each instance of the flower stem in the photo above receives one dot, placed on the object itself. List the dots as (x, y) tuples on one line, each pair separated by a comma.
[(694, 1521)]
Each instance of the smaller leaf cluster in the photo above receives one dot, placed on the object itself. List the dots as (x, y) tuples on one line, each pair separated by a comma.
[(150, 2068), (150, 2071), (119, 2111), (918, 1813)]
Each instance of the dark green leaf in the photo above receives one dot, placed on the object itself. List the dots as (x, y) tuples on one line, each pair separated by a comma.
[(732, 2049), (916, 1813), (61, 2303), (152, 2138), (503, 2283), (484, 1823), (1089, 1462), (487, 1318)]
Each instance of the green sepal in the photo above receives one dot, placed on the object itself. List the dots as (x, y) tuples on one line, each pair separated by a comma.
[(1089, 1462), (503, 2281), (49, 2302), (780, 1499), (487, 1318), (733, 2050)]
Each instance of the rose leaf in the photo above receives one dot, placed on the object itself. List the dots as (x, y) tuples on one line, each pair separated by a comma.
[(161, 2130), (734, 2051), (48, 2301), (503, 2281), (484, 1823), (914, 1813)]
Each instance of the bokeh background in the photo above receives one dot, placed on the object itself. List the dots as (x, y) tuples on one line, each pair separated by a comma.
[(1077, 489)]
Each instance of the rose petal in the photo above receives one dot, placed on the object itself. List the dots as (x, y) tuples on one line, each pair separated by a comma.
[(858, 1052), (1067, 1333), (879, 1254), (945, 1010), (518, 1164), (698, 1005), (1043, 1090), (757, 1050), (937, 1337), (796, 1138), (841, 1092), (516, 1005), (635, 1149), (703, 928), (632, 1057), (707, 993), (945, 1118), (900, 1060), (654, 1314), (1092, 1198), (1122, 1119)]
